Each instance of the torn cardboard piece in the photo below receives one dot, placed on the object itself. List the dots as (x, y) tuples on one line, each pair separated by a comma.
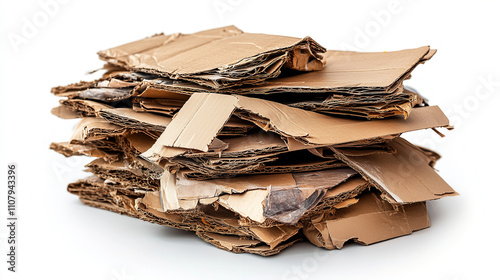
[(237, 245), (196, 126), (97, 193), (284, 198), (235, 57), (299, 161), (369, 220), (321, 91), (125, 173), (403, 177), (68, 150), (346, 72)]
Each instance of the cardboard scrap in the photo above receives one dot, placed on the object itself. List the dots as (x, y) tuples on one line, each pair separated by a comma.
[(255, 142), (368, 85), (303, 126), (369, 220), (405, 176), (257, 57)]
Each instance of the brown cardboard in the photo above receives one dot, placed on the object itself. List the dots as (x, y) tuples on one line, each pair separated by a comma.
[(237, 245), (234, 57), (67, 149), (313, 128), (346, 72), (360, 84), (193, 127), (288, 205), (89, 129), (95, 192), (114, 197), (281, 197), (122, 172), (368, 221), (129, 118), (280, 162), (404, 176), (230, 135), (352, 83)]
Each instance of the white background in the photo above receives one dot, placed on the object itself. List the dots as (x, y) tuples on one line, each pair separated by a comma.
[(61, 238)]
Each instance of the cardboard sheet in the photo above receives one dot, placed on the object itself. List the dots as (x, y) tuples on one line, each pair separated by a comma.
[(304, 126), (404, 176), (368, 221), (234, 57)]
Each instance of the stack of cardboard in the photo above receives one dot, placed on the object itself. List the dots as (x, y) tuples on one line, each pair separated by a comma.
[(256, 141)]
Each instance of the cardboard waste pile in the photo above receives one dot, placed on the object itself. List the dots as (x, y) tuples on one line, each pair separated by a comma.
[(256, 142)]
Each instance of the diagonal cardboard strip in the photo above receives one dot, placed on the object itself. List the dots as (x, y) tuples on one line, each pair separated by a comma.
[(204, 114)]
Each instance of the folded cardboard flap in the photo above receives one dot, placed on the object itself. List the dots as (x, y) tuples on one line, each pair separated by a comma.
[(180, 134), (404, 176)]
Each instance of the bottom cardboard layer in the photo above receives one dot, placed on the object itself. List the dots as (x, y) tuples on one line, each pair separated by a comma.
[(364, 219)]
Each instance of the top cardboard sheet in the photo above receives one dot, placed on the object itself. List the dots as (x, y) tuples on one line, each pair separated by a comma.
[(218, 58)]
